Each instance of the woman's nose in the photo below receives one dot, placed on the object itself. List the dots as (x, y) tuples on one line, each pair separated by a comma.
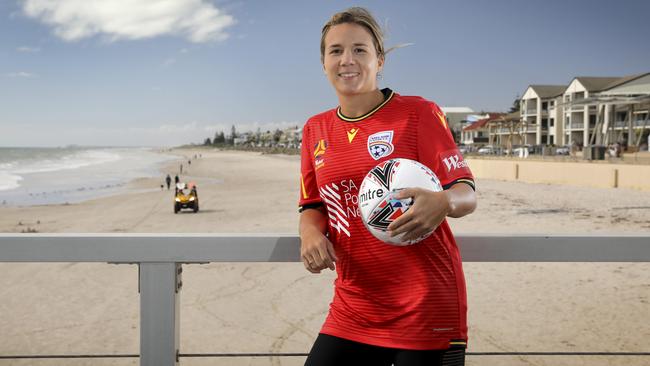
[(347, 58)]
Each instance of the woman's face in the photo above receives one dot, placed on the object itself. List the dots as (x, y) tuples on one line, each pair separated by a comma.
[(350, 61)]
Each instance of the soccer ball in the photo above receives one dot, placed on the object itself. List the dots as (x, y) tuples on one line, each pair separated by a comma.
[(376, 202)]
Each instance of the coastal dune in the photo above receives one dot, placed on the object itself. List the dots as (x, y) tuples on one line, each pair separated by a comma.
[(92, 308)]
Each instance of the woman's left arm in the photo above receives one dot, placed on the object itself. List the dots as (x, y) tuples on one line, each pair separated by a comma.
[(430, 208), (462, 200)]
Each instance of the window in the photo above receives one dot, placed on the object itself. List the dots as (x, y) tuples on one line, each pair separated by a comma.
[(552, 122), (544, 106)]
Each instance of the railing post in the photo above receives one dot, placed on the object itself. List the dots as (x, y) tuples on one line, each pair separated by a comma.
[(160, 285)]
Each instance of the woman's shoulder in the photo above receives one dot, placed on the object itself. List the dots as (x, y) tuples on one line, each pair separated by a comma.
[(425, 110), (416, 103)]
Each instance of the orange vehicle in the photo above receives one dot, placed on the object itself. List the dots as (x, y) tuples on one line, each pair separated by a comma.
[(186, 196)]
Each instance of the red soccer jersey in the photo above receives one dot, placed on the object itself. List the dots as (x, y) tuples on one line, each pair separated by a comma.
[(410, 297)]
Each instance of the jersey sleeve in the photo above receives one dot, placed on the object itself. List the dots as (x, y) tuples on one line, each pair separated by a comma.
[(309, 196), (437, 149)]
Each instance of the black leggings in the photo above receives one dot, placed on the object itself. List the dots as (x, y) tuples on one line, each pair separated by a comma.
[(334, 351)]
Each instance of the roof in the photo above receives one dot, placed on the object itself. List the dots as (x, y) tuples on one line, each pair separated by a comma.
[(640, 84), (596, 84), (482, 122), (457, 110), (548, 91)]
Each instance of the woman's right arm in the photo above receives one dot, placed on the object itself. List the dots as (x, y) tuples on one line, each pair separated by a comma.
[(316, 251)]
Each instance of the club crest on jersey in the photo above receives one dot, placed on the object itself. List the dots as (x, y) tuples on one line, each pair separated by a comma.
[(380, 144), (319, 153)]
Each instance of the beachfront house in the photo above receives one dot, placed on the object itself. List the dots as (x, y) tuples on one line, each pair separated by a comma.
[(476, 132), (616, 110), (540, 111), (589, 111)]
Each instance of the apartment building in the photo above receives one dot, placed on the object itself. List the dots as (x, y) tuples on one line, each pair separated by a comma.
[(541, 110), (607, 110), (588, 111)]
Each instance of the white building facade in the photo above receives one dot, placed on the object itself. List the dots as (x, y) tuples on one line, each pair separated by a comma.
[(588, 111)]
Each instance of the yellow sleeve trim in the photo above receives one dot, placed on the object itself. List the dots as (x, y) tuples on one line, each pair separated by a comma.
[(302, 186)]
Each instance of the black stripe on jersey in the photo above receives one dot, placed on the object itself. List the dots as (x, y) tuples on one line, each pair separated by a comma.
[(388, 95), (310, 206), (467, 181)]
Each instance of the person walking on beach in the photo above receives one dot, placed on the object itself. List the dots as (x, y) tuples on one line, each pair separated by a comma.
[(168, 180), (393, 305), (176, 179)]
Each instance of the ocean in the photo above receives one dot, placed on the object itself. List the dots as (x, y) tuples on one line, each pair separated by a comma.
[(37, 176)]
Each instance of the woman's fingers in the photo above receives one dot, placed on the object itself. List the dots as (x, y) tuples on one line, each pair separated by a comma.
[(319, 256)]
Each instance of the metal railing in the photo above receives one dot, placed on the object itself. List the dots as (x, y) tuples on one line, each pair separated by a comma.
[(160, 257)]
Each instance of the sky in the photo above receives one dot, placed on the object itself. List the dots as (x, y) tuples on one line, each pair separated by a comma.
[(171, 72)]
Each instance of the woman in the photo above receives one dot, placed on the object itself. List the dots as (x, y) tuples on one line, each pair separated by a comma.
[(392, 305)]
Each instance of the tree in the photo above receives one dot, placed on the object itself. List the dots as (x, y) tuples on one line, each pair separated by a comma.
[(207, 142), (219, 138), (276, 135), (515, 105)]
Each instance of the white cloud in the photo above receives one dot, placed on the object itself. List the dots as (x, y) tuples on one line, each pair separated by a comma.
[(73, 20), (21, 74), (26, 49)]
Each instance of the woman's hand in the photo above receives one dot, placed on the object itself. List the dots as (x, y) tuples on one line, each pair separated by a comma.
[(428, 211), (430, 208), (316, 251)]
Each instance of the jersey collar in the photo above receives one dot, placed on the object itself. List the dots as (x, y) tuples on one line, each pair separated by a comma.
[(388, 95)]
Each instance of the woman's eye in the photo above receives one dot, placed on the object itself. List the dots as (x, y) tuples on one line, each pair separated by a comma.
[(360, 50), (335, 52)]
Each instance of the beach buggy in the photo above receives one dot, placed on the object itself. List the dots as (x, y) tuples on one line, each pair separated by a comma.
[(186, 197)]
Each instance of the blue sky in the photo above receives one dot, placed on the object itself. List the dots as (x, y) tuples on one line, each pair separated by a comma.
[(151, 73)]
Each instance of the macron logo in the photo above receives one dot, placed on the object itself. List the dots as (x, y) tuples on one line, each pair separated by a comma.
[(454, 162)]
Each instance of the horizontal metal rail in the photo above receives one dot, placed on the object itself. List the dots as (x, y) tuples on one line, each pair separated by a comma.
[(199, 248), (160, 256)]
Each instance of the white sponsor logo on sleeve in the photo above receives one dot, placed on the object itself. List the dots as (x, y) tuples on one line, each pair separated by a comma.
[(454, 162)]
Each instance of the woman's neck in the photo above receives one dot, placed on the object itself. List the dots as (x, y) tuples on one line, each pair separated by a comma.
[(360, 104)]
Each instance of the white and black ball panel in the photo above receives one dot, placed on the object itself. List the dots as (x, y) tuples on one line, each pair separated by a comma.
[(376, 202)]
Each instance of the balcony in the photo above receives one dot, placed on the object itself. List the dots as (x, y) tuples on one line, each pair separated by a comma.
[(530, 111), (160, 259)]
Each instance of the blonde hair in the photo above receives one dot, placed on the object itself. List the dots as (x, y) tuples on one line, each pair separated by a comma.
[(359, 16)]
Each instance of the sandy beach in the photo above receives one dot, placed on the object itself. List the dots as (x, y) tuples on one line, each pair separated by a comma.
[(237, 308)]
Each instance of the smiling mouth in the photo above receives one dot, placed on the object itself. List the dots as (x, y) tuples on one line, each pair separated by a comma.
[(348, 75)]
